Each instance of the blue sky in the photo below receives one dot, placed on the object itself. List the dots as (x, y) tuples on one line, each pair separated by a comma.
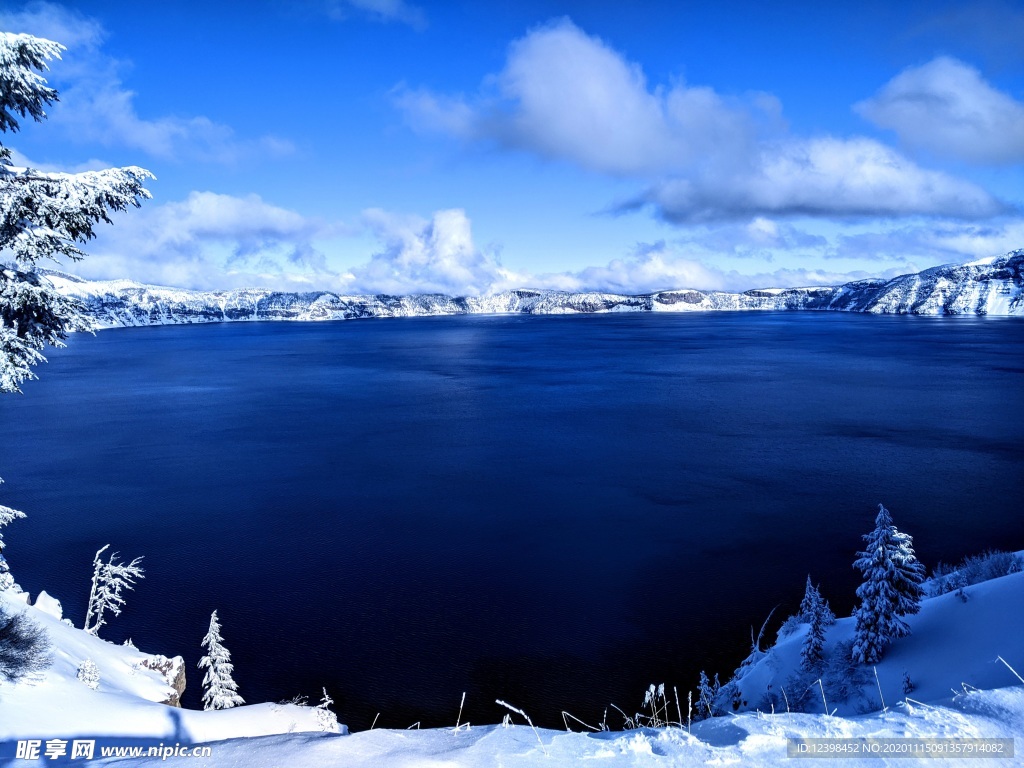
[(393, 146)]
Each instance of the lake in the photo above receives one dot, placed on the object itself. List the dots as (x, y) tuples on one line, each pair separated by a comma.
[(554, 511)]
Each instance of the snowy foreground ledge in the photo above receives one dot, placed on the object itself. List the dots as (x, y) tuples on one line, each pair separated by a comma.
[(125, 709)]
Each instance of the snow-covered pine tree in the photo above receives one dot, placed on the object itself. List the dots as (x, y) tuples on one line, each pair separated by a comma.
[(705, 696), (220, 690), (812, 609), (890, 591), (813, 601), (43, 216), (89, 674), (7, 515), (108, 579), (325, 718), (808, 603)]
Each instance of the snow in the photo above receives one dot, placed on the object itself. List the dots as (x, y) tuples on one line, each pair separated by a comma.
[(951, 653), (127, 700), (952, 644), (746, 740), (995, 288)]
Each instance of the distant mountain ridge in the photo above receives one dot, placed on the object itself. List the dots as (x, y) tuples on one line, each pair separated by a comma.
[(993, 286)]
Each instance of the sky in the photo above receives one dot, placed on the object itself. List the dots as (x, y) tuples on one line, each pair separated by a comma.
[(393, 146)]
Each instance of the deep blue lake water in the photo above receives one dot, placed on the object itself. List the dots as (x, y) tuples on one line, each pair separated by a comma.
[(556, 511)]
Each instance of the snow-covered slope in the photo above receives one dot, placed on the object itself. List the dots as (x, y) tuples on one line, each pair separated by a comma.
[(992, 287), (951, 653), (954, 644), (129, 700)]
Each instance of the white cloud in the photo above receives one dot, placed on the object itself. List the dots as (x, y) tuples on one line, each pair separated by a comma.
[(661, 266), (822, 177), (563, 94), (419, 256), (96, 106), (931, 242), (380, 10), (946, 107), (213, 241)]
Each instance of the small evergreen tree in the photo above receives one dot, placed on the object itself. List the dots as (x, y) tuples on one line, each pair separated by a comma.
[(220, 690), (891, 588), (7, 515), (325, 718), (108, 579), (814, 602), (812, 654), (89, 674), (908, 684), (707, 693), (809, 604)]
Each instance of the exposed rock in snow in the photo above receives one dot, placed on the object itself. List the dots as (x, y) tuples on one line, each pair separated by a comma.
[(173, 671), (129, 701), (987, 287)]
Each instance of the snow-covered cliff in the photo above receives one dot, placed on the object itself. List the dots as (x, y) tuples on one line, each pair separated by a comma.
[(992, 286)]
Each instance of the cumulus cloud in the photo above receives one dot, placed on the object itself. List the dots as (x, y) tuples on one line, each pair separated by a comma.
[(670, 266), (96, 106), (420, 256), (213, 241), (948, 108), (822, 177), (566, 95), (379, 10)]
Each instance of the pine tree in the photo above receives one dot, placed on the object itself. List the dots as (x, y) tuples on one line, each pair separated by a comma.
[(809, 604), (813, 609), (220, 690), (7, 515), (325, 718), (89, 674), (706, 694), (43, 216), (108, 579), (813, 601), (891, 588)]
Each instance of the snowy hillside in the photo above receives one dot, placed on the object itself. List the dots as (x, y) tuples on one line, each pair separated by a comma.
[(950, 656), (954, 645), (990, 287), (128, 703)]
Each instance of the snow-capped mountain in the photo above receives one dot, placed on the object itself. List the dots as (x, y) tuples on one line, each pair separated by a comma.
[(993, 286)]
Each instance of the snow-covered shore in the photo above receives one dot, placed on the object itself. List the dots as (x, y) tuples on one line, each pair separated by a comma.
[(988, 287), (962, 691)]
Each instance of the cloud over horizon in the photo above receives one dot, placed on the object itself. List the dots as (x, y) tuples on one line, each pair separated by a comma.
[(421, 256), (566, 95), (212, 241)]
